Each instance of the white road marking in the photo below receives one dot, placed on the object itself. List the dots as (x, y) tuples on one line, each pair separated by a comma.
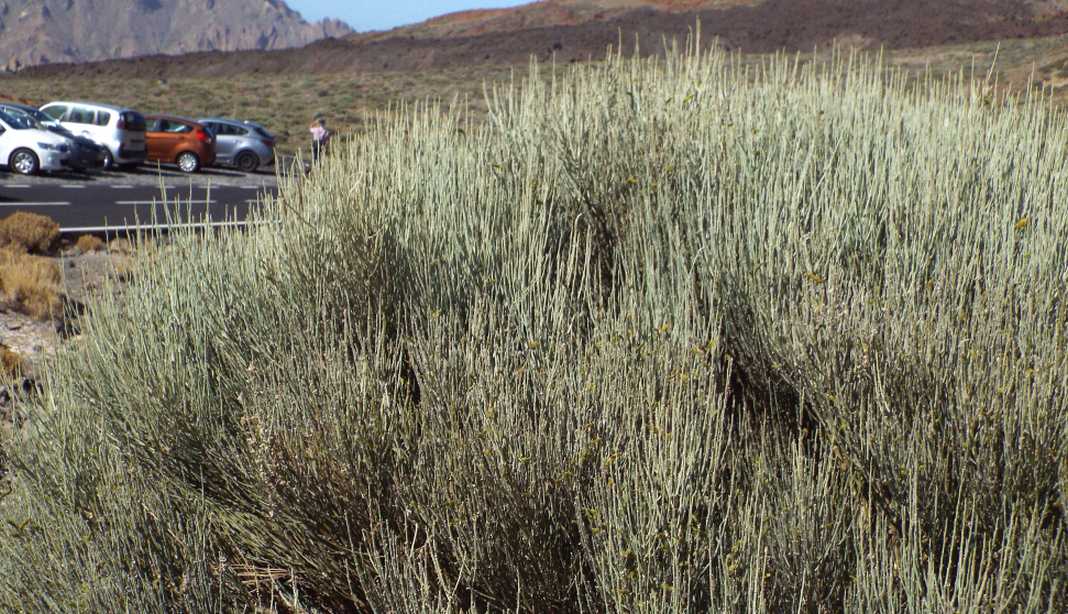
[(17, 185), (129, 227), (250, 187), (73, 187), (122, 187), (179, 201), (37, 204)]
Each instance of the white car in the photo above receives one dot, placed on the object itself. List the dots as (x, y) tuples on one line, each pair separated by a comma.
[(27, 148), (118, 129)]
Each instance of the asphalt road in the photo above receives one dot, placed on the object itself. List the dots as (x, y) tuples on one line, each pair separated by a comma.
[(112, 202)]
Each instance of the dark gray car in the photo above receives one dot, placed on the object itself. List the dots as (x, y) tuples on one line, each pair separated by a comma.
[(246, 145)]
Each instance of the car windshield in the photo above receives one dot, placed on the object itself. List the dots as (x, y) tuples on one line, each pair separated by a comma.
[(32, 112), (42, 119), (262, 132), (19, 121)]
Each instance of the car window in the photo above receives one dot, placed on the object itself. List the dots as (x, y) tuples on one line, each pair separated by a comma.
[(19, 115), (103, 118), (80, 115), (19, 121), (152, 125), (34, 113), (166, 125), (133, 120), (55, 111), (11, 110)]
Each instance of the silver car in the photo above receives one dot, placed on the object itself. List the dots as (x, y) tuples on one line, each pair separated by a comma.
[(120, 130), (246, 145)]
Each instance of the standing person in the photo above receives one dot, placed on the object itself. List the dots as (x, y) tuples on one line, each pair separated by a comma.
[(320, 136)]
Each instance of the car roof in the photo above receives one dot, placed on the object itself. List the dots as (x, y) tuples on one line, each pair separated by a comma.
[(96, 105), (173, 118), (223, 120)]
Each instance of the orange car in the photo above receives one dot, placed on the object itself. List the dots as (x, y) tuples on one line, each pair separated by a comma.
[(175, 140)]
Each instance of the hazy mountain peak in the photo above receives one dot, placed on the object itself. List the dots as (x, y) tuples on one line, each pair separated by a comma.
[(47, 31)]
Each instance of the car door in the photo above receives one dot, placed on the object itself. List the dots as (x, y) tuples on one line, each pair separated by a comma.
[(155, 138), (170, 138), (99, 128), (225, 141), (79, 120)]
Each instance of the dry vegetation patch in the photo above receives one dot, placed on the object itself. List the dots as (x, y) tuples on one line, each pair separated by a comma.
[(29, 232), (31, 284), (11, 363), (89, 243)]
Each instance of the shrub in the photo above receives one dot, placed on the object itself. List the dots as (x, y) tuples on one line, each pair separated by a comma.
[(31, 284), (11, 363), (88, 243), (663, 336), (29, 232)]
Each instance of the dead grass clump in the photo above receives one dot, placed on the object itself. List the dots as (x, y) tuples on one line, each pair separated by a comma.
[(31, 232), (31, 284), (121, 246), (89, 243), (11, 363)]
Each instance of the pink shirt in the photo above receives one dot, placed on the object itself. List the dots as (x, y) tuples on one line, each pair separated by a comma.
[(319, 133)]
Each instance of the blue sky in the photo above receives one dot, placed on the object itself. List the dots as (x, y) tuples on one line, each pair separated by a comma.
[(385, 14)]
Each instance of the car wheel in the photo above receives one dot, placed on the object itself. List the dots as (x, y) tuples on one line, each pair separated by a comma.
[(248, 162), (24, 162), (109, 161), (188, 162)]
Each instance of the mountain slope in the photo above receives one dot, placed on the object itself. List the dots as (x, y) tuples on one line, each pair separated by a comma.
[(575, 30), (767, 25), (46, 31), (545, 13)]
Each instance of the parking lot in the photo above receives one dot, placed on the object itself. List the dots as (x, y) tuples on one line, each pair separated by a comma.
[(149, 174), (100, 201)]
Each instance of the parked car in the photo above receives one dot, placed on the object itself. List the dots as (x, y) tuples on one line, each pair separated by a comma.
[(27, 148), (246, 145), (181, 141), (84, 155), (118, 129)]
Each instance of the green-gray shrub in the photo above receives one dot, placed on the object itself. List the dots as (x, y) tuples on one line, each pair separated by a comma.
[(680, 334)]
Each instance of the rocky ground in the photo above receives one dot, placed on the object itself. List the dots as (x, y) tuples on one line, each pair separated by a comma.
[(83, 274)]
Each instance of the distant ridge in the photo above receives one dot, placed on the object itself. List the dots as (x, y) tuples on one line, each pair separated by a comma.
[(34, 32), (576, 30), (766, 25)]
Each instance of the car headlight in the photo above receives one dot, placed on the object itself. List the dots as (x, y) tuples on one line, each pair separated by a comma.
[(53, 147)]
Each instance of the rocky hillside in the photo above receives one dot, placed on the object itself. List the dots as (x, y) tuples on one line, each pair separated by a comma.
[(545, 13), (762, 25), (34, 32), (576, 30)]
